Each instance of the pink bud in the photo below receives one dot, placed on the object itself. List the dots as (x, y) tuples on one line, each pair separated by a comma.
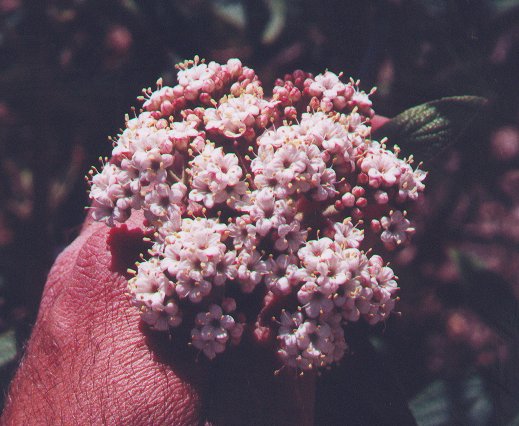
[(166, 108), (234, 67), (326, 104), (363, 178), (381, 197), (348, 199), (190, 94), (375, 226), (229, 304), (290, 113), (205, 98), (358, 191), (361, 202), (339, 102), (314, 104)]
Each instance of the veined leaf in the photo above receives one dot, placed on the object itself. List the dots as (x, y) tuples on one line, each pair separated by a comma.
[(448, 402), (427, 129)]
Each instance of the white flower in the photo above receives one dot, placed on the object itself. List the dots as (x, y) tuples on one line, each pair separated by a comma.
[(251, 270), (165, 202), (150, 286), (164, 318), (243, 233), (192, 289)]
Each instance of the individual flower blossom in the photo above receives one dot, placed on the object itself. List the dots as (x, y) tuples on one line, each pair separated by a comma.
[(243, 233), (190, 288), (165, 202), (382, 167), (397, 229), (150, 286), (182, 133), (151, 167), (331, 274), (315, 252), (225, 269), (236, 116), (213, 331), (315, 300), (411, 185), (259, 207), (164, 317), (267, 212), (316, 343), (290, 237), (251, 269), (289, 348), (283, 274), (347, 235), (361, 100)]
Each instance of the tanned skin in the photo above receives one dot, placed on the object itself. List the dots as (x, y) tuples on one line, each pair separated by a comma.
[(91, 361)]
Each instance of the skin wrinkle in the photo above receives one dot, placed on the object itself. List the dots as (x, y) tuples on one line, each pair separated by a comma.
[(77, 314), (38, 391), (43, 390), (119, 378), (120, 373)]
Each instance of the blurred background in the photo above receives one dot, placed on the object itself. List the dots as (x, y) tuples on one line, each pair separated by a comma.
[(71, 69)]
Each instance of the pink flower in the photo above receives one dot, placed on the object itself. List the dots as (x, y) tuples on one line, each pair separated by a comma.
[(257, 203), (290, 237), (397, 229), (283, 274), (213, 331), (382, 167)]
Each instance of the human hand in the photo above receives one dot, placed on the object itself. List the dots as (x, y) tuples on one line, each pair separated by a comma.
[(90, 360)]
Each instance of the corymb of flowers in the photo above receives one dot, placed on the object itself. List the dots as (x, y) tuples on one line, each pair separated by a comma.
[(264, 213)]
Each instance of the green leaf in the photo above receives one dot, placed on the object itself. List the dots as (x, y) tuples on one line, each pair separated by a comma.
[(7, 347), (490, 295), (432, 406), (425, 130), (448, 402)]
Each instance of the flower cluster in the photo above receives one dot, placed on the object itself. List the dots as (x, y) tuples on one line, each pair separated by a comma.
[(280, 199)]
